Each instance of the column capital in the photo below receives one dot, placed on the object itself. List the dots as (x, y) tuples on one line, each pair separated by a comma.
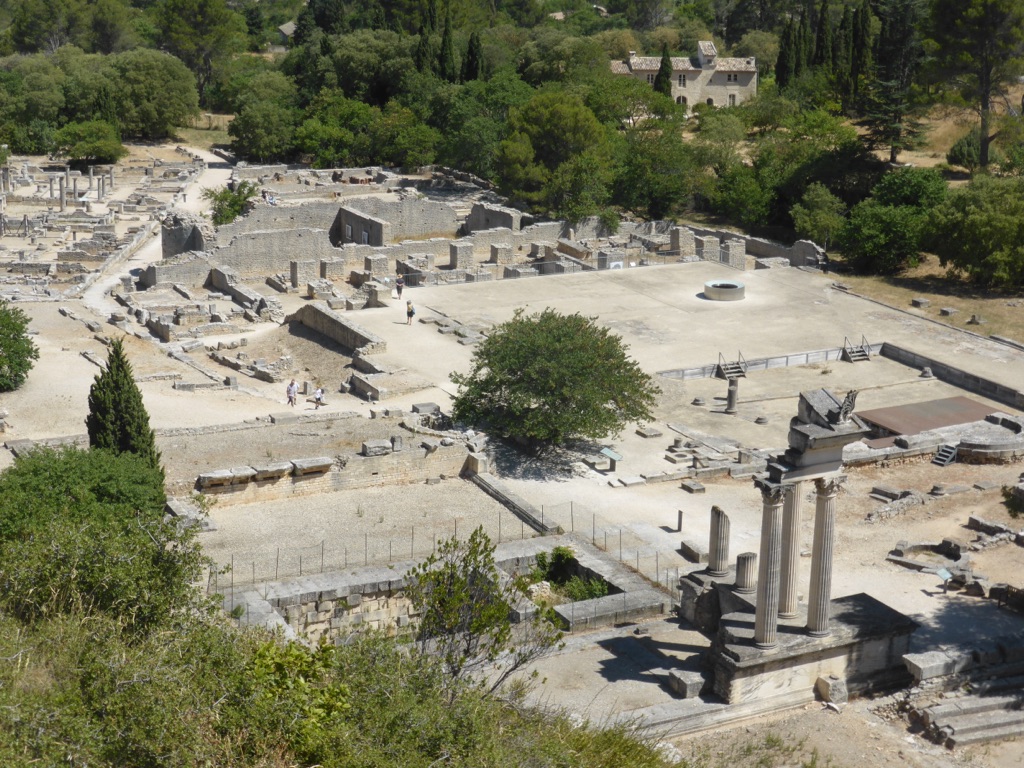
[(829, 486), (771, 493)]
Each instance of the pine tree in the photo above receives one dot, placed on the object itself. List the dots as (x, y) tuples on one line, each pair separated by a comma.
[(117, 419), (473, 64), (447, 68), (892, 108), (663, 80)]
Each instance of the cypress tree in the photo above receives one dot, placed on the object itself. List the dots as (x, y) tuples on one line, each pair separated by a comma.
[(786, 63), (842, 52), (431, 20), (804, 46), (473, 64), (446, 58), (861, 49), (423, 56), (663, 80), (823, 38), (117, 419)]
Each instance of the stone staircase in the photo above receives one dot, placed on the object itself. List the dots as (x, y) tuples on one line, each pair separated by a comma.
[(945, 456), (989, 712)]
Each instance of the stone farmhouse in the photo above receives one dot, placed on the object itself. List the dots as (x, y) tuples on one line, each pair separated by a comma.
[(704, 79)]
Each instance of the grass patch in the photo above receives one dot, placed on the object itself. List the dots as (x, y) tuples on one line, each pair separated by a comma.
[(202, 138), (1002, 312)]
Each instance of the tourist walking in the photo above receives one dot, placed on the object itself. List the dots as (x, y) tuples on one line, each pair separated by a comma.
[(292, 391), (318, 397), (410, 311), (399, 285)]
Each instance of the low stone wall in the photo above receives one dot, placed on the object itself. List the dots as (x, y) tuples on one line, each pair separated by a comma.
[(336, 605), (420, 460), (955, 376), (336, 327)]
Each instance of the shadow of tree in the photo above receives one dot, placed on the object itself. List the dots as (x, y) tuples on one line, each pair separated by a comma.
[(555, 464)]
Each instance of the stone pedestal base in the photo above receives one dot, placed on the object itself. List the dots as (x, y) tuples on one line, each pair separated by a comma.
[(865, 649)]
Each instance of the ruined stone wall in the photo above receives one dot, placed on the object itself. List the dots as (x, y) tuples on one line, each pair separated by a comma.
[(393, 220), (266, 253), (352, 225), (337, 327), (414, 463), (181, 232), (265, 218), (485, 216), (188, 268)]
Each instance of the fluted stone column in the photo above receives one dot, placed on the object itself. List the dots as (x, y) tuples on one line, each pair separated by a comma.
[(62, 191), (718, 546), (766, 617), (746, 564), (790, 567), (819, 595)]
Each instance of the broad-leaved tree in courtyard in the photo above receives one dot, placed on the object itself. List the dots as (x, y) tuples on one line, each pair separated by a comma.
[(547, 378), (17, 352), (465, 615), (117, 419)]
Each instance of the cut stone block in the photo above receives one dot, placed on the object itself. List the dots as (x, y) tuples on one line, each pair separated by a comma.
[(270, 471), (312, 466), (920, 303), (376, 447), (687, 684), (832, 689), (425, 408), (692, 486), (693, 551), (648, 432)]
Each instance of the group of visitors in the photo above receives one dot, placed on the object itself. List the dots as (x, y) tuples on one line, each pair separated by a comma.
[(292, 391)]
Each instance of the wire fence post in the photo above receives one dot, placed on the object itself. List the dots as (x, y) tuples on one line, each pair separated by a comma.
[(572, 519), (232, 582), (300, 563), (593, 530), (412, 543), (620, 545), (277, 565), (366, 549), (322, 543)]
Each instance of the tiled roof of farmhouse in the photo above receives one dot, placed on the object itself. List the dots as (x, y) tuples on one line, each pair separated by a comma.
[(681, 64), (707, 48)]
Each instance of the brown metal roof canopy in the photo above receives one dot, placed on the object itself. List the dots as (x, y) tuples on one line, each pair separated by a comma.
[(913, 418)]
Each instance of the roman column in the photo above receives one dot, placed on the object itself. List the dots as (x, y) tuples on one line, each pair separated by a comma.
[(746, 564), (718, 546), (819, 595), (766, 617), (790, 551)]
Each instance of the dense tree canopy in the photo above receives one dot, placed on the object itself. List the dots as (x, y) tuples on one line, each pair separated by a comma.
[(17, 351), (547, 378), (979, 231)]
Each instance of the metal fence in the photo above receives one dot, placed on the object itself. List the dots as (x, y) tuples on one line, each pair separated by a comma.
[(639, 549)]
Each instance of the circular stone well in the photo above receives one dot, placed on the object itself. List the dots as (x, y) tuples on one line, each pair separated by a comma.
[(724, 290)]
